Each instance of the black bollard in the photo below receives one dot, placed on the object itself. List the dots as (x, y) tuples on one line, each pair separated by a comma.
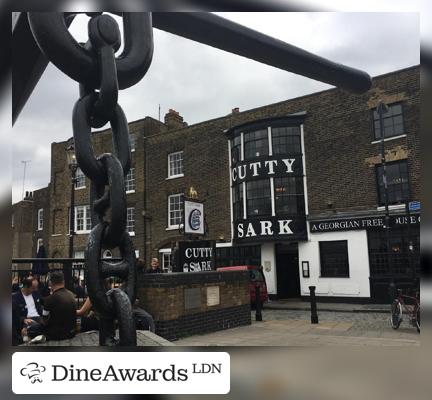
[(258, 315), (314, 315)]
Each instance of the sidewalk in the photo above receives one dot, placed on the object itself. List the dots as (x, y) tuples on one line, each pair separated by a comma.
[(295, 329), (338, 307)]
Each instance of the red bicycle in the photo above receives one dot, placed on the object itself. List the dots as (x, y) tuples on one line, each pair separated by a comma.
[(400, 306)]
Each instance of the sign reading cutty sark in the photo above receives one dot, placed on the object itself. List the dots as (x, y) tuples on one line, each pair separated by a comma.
[(271, 228), (267, 180), (196, 255), (270, 167), (194, 217)]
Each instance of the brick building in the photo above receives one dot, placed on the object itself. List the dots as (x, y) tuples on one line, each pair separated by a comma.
[(295, 186)]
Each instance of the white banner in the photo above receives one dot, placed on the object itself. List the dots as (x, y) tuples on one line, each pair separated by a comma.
[(120, 373), (194, 217)]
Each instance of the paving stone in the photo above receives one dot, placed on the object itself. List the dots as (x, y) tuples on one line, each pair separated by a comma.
[(293, 328), (144, 338)]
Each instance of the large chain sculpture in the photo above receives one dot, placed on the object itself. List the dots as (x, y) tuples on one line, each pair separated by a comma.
[(100, 75)]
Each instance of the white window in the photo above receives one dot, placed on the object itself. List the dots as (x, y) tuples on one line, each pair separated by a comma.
[(130, 181), (132, 142), (40, 219), (79, 179), (175, 210), (175, 164), (166, 262), (82, 219), (130, 221)]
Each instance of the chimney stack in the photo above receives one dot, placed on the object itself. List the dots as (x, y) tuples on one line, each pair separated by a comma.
[(174, 120), (235, 110), (28, 196)]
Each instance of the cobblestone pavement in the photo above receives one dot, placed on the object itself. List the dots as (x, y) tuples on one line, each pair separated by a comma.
[(293, 328), (362, 324), (144, 338)]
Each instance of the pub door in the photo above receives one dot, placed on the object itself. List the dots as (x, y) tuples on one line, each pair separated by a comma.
[(287, 271)]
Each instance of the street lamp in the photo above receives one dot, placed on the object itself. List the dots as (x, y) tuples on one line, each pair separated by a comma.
[(73, 166), (383, 109)]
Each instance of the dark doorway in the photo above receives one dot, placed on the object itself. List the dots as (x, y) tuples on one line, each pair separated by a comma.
[(287, 271)]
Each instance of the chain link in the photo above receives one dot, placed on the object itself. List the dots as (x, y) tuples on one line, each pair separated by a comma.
[(107, 172), (100, 75)]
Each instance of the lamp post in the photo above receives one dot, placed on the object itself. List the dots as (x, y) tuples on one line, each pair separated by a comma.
[(73, 166), (382, 109)]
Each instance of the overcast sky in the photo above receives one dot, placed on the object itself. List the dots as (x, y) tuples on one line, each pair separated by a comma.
[(201, 82)]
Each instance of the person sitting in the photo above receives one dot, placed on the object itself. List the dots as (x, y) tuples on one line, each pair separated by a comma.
[(77, 288), (154, 267), (15, 284), (59, 312), (26, 305), (89, 319)]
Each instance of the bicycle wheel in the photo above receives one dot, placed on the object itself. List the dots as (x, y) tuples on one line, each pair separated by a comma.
[(396, 314), (418, 320)]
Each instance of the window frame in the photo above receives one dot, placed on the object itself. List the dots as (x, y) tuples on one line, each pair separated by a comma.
[(377, 181), (86, 217), (181, 196), (274, 136), (166, 255), (79, 178), (40, 219), (245, 142), (132, 141), (376, 137), (178, 175), (131, 232), (298, 196), (248, 199), (321, 244), (128, 181), (238, 205)]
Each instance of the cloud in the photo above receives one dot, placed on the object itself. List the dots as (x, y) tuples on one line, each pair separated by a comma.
[(202, 82)]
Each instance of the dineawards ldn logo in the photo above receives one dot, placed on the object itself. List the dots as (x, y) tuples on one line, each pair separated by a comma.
[(33, 371), (121, 373)]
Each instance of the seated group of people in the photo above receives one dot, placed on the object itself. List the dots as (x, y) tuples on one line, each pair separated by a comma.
[(39, 312), (52, 310)]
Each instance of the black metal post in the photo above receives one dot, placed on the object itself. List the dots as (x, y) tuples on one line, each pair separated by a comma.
[(314, 314), (410, 249), (68, 266), (381, 109), (258, 314)]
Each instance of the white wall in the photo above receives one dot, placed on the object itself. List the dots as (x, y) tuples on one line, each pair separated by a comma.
[(357, 285), (268, 261)]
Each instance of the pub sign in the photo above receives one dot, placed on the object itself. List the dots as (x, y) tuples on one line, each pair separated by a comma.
[(196, 255), (194, 217)]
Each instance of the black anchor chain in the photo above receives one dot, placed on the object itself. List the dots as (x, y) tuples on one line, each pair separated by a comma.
[(96, 68)]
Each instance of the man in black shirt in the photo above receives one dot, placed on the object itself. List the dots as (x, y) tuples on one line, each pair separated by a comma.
[(59, 311)]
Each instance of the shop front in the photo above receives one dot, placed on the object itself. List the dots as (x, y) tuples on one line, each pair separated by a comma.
[(348, 257), (268, 188)]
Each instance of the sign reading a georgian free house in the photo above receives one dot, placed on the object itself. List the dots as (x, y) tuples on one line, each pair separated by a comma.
[(378, 222)]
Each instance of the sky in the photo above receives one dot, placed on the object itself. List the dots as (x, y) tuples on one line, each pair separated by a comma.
[(202, 82)]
